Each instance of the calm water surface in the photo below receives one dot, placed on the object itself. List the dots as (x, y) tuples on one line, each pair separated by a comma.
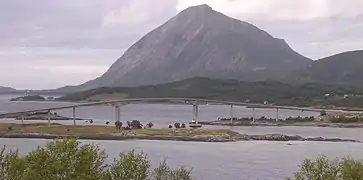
[(215, 161)]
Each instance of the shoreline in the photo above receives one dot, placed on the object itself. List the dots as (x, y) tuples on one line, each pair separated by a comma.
[(284, 124), (195, 138), (54, 131)]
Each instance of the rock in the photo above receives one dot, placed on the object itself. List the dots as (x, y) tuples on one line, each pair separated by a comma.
[(201, 42)]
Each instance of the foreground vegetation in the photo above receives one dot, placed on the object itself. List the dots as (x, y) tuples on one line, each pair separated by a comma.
[(256, 92), (324, 169), (69, 160)]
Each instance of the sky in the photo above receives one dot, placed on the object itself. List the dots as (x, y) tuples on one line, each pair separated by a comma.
[(47, 44)]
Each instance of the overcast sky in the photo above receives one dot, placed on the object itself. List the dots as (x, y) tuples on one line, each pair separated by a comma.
[(52, 43)]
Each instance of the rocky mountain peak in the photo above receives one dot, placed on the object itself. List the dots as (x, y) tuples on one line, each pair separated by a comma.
[(201, 42)]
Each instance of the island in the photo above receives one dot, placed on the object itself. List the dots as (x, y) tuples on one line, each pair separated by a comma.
[(40, 116), (54, 131), (338, 120), (29, 98)]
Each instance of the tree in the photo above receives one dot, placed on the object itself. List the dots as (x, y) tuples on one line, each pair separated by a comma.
[(325, 169), (150, 125), (118, 125), (61, 159), (135, 124), (131, 166), (69, 160), (177, 125)]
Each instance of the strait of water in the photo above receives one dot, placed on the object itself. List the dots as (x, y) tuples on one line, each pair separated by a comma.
[(213, 161)]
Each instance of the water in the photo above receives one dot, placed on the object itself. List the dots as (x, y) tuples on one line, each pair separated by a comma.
[(230, 161)]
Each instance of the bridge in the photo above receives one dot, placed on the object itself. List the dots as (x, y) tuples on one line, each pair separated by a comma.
[(192, 101)]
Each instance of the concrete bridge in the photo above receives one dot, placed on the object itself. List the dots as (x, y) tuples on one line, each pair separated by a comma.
[(191, 101)]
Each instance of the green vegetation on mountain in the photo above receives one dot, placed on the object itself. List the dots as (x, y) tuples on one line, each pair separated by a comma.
[(344, 68), (233, 90)]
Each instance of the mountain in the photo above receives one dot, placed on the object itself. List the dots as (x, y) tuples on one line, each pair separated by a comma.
[(233, 90), (6, 89), (201, 42), (344, 68)]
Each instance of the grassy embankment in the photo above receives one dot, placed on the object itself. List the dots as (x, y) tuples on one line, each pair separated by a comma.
[(63, 130)]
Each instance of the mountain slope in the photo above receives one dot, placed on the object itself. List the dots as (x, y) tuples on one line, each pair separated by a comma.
[(233, 90), (344, 68), (200, 42)]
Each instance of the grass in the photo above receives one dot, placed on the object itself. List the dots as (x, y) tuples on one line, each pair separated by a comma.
[(57, 129)]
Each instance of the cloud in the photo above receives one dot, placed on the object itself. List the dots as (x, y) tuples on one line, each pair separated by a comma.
[(287, 10), (70, 42), (314, 28)]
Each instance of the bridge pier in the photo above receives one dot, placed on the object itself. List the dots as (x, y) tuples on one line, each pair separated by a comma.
[(253, 115), (277, 114), (195, 113), (22, 119), (74, 116), (231, 111), (49, 118), (117, 113)]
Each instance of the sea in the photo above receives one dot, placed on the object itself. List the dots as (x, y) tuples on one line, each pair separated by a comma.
[(251, 160)]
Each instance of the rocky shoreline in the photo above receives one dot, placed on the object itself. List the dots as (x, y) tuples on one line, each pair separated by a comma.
[(193, 138), (282, 124)]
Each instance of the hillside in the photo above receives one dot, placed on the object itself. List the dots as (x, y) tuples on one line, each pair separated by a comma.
[(201, 42), (257, 92), (344, 68)]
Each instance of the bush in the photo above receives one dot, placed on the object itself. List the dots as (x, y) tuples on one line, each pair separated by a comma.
[(134, 124), (177, 125), (67, 159), (118, 125), (325, 169), (150, 125)]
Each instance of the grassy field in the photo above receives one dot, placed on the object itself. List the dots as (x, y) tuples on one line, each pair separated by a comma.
[(57, 129)]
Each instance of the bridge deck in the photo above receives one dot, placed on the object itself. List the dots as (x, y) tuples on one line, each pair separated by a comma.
[(185, 100)]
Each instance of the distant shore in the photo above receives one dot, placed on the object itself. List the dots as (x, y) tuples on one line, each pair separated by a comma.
[(42, 131), (284, 124)]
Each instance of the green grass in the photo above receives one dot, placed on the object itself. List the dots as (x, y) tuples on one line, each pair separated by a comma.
[(57, 129)]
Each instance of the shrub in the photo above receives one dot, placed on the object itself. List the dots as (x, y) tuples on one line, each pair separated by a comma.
[(150, 125), (325, 169), (177, 125), (134, 124), (67, 159), (118, 125)]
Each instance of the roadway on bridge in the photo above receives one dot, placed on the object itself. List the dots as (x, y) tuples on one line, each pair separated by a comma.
[(191, 101)]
